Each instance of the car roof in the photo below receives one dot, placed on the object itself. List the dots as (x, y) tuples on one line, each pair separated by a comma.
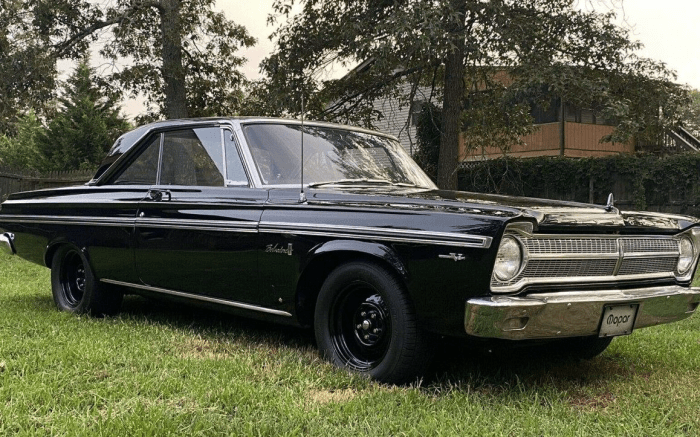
[(128, 139)]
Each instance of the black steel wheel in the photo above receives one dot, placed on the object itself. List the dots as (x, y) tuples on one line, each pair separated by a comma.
[(365, 323), (75, 288)]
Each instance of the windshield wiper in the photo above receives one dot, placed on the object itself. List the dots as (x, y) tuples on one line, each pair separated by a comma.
[(361, 181)]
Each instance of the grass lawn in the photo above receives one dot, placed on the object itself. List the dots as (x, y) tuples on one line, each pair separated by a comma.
[(163, 369)]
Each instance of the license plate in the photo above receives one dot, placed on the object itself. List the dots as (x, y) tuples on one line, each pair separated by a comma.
[(618, 320)]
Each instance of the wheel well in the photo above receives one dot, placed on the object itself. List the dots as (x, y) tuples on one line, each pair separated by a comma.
[(315, 274), (50, 252)]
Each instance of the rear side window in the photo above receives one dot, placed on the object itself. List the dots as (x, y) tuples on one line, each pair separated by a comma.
[(193, 157), (144, 170)]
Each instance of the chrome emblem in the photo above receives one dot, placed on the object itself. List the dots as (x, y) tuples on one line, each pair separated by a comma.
[(453, 256), (270, 248)]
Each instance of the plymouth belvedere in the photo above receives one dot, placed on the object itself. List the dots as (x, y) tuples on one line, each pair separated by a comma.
[(336, 228)]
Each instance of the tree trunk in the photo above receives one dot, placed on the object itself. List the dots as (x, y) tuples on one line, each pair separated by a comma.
[(452, 111), (173, 72)]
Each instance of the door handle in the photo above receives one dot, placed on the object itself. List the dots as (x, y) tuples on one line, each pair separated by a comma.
[(159, 195)]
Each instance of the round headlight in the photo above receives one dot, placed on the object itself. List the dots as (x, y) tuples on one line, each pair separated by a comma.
[(508, 259), (687, 253)]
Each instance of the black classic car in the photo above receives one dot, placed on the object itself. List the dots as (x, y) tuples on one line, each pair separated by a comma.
[(357, 243)]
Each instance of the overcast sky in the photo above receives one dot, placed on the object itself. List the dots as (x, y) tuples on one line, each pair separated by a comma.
[(669, 30)]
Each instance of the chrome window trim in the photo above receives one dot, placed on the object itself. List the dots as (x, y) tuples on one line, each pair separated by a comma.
[(215, 300), (249, 183), (374, 233), (223, 154), (159, 169), (246, 156)]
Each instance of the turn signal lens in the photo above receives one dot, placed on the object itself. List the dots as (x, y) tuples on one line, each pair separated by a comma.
[(508, 259), (687, 253)]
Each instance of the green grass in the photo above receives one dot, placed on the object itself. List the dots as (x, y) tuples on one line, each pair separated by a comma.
[(163, 369)]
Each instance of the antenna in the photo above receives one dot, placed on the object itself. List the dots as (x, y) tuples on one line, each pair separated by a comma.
[(302, 195)]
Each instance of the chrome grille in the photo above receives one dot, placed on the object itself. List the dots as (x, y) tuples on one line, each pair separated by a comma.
[(543, 246), (544, 268), (636, 245), (638, 266), (550, 259)]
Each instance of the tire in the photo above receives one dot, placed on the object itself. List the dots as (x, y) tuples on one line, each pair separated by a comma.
[(585, 348), (365, 322), (75, 288)]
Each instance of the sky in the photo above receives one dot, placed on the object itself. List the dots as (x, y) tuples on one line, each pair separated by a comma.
[(669, 30)]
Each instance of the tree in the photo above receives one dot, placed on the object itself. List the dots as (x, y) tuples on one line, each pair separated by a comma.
[(459, 50), (84, 129), (27, 71), (181, 52), (691, 114), (20, 151)]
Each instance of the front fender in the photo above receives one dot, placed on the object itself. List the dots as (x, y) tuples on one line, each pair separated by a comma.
[(374, 250), (320, 261)]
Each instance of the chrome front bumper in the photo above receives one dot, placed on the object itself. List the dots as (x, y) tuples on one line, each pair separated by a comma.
[(6, 243), (573, 314)]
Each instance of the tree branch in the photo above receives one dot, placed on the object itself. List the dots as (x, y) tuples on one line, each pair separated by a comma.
[(61, 49), (398, 75)]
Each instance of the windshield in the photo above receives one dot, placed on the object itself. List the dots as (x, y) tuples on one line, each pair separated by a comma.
[(331, 155)]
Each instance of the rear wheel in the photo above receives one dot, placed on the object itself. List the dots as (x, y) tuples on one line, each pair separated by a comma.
[(365, 322), (75, 288)]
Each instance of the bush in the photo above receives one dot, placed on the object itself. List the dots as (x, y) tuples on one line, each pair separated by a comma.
[(669, 183)]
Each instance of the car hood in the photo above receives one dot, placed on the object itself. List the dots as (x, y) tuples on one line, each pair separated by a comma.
[(554, 215)]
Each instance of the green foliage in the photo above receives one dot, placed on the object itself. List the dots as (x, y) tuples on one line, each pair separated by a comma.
[(209, 46), (84, 129), (669, 183), (691, 114), (548, 49), (21, 151), (200, 68), (27, 71), (428, 139)]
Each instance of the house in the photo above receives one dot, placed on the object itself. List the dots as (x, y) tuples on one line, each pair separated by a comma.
[(561, 129)]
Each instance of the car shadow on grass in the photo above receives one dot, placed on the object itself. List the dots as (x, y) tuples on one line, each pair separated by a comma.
[(458, 364), (456, 360), (211, 322), (493, 366)]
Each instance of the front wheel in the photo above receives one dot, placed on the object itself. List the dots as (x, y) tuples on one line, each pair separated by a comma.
[(75, 288), (365, 322), (579, 348)]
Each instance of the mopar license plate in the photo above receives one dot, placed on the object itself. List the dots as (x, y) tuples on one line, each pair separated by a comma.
[(618, 320)]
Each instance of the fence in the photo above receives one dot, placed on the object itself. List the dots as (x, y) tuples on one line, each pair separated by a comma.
[(13, 180)]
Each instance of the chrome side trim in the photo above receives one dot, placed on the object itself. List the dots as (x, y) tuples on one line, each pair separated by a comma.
[(382, 234), (215, 300), (573, 313), (203, 225), (63, 220), (6, 243)]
